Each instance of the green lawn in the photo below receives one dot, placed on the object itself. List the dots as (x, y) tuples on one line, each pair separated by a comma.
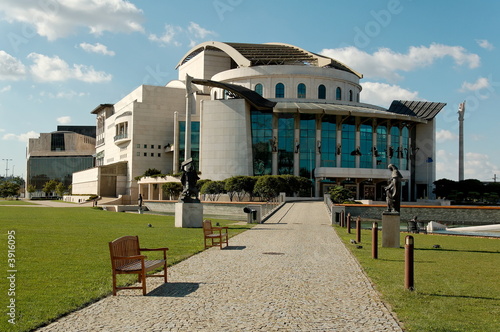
[(14, 202), (457, 286), (62, 256)]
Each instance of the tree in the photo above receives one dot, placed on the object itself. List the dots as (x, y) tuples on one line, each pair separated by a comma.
[(213, 189), (49, 187), (9, 189), (267, 187), (60, 189), (339, 194), (172, 189), (152, 171)]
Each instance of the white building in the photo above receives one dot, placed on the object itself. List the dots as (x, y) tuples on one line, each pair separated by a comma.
[(263, 109)]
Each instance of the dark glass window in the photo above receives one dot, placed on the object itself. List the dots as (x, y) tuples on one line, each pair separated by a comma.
[(406, 148), (301, 90), (395, 146), (43, 169), (286, 125), (307, 155), (258, 89), (348, 143), (280, 90), (57, 142), (366, 144), (195, 142), (262, 136), (381, 147), (329, 141), (350, 95), (338, 94), (321, 92)]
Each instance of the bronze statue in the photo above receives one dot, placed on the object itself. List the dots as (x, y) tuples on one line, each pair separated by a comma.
[(393, 190), (189, 179)]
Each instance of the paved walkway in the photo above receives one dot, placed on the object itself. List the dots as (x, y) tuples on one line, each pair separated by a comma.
[(290, 274)]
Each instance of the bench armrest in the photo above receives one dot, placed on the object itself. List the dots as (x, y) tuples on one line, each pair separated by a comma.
[(153, 249)]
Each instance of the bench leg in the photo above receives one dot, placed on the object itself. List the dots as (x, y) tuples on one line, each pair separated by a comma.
[(114, 284)]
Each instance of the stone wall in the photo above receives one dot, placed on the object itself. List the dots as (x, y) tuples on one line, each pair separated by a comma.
[(451, 215)]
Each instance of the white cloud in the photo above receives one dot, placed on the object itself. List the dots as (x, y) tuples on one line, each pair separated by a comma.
[(5, 89), (11, 68), (47, 69), (199, 32), (485, 44), (446, 165), (64, 120), (57, 19), (168, 35), (481, 83), (383, 94), (193, 33), (97, 48), (386, 64), (478, 166), (22, 137), (445, 135)]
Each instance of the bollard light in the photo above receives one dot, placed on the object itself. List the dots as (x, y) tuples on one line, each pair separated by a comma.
[(409, 263), (375, 240)]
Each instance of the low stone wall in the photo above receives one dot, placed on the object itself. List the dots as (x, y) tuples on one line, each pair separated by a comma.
[(224, 210), (450, 215)]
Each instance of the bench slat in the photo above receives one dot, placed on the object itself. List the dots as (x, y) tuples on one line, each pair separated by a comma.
[(136, 266)]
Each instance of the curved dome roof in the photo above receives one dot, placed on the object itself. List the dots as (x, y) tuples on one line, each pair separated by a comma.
[(248, 55)]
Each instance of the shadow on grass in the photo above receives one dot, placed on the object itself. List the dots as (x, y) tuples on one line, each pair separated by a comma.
[(175, 289), (462, 296)]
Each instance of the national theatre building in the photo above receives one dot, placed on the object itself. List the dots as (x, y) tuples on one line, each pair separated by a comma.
[(258, 109)]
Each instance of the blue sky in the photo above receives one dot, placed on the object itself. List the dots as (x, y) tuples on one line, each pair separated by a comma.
[(60, 59)]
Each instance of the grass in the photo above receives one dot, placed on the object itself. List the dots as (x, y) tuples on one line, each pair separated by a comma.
[(457, 287), (14, 202), (62, 256)]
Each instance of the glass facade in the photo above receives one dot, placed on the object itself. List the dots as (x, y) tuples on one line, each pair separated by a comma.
[(348, 159), (307, 151), (329, 141), (406, 148), (382, 147), (195, 142), (43, 169), (286, 125), (366, 144), (57, 142), (394, 146), (262, 136)]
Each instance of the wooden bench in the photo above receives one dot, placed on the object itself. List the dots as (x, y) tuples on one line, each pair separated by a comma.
[(214, 236), (126, 258)]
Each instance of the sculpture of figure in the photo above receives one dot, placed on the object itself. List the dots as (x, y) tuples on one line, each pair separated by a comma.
[(297, 147), (189, 179), (393, 190), (139, 201), (274, 144), (319, 146)]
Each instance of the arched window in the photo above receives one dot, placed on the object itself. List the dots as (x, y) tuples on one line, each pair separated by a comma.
[(338, 94), (321, 92), (280, 90), (350, 95), (258, 89), (301, 90), (215, 95)]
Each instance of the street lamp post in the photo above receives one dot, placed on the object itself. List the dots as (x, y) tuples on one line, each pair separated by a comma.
[(6, 166)]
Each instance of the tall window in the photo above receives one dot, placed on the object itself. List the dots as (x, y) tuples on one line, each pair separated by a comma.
[(195, 142), (338, 93), (307, 142), (366, 144), (57, 142), (382, 147), (348, 143), (396, 150), (328, 141), (301, 90), (258, 89), (262, 135), (286, 125), (321, 92), (350, 95), (280, 90), (406, 147)]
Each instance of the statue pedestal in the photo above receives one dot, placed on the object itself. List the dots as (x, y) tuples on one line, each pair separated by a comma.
[(188, 215), (390, 229)]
